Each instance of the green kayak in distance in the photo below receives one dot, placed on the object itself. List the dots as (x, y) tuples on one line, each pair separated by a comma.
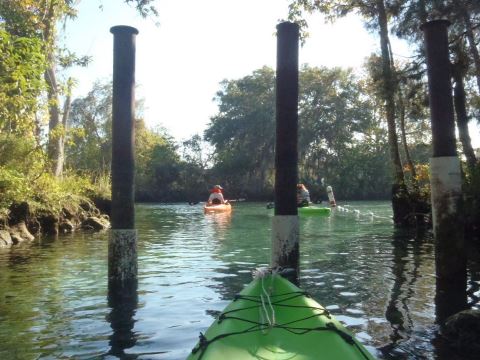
[(272, 319), (314, 211), (309, 210)]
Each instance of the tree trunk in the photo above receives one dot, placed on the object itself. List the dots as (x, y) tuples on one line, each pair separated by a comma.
[(408, 158), (422, 11), (462, 119), (55, 148), (61, 153), (473, 47), (38, 130), (400, 204)]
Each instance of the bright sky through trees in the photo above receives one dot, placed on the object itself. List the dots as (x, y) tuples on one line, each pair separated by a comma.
[(197, 44)]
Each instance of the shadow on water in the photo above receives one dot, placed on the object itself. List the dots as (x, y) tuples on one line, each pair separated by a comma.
[(397, 310), (412, 254)]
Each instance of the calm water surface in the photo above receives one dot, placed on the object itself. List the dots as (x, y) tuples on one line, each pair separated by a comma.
[(378, 282)]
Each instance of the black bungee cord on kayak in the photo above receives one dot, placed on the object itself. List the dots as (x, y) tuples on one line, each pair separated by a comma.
[(258, 326), (256, 299)]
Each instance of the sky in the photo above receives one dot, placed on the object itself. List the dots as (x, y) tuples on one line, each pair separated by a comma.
[(184, 53)]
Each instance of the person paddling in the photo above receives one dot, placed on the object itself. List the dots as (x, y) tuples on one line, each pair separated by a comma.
[(216, 196), (303, 196)]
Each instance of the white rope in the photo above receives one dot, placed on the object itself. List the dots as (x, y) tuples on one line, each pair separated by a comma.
[(260, 273), (269, 300)]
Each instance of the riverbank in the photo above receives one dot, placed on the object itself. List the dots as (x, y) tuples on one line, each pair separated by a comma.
[(23, 221)]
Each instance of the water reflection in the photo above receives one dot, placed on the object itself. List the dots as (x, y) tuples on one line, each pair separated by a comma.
[(405, 294), (218, 224), (397, 312), (123, 301), (451, 281), (242, 250), (473, 290)]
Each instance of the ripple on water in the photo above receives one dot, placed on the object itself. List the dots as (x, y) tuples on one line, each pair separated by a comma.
[(351, 321), (53, 293)]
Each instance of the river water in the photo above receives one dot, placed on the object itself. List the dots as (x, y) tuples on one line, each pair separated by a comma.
[(379, 282)]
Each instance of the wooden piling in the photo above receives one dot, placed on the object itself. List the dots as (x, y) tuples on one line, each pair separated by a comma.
[(122, 250), (445, 177), (285, 228)]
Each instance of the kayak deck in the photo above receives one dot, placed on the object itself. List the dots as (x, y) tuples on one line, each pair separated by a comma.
[(286, 324)]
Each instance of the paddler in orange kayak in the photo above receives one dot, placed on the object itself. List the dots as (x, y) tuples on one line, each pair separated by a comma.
[(216, 196)]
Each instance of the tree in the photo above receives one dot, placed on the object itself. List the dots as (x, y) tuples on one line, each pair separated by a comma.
[(242, 132), (468, 13), (333, 113), (459, 70), (464, 17), (39, 19), (21, 157), (21, 67), (89, 141), (194, 152), (338, 126), (376, 17)]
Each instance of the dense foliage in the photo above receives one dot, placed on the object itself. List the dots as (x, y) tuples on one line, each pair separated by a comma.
[(33, 122), (336, 129)]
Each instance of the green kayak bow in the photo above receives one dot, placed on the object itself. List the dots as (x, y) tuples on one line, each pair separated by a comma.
[(272, 319)]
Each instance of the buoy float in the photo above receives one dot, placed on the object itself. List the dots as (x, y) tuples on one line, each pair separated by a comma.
[(331, 198)]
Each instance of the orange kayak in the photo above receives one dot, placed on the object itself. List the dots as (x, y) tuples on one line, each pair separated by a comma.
[(217, 208)]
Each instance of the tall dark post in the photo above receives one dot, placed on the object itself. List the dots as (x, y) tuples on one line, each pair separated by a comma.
[(122, 251), (445, 177), (285, 233)]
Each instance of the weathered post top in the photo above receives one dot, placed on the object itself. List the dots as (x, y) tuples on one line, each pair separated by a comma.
[(123, 29)]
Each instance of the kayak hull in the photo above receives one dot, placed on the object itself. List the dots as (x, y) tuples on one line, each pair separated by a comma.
[(220, 208), (290, 325), (314, 211)]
